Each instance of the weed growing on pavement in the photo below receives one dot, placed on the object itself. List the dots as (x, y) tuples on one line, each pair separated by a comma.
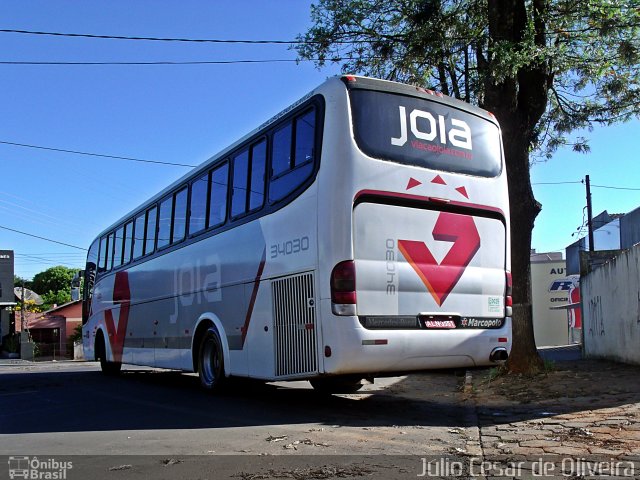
[(549, 366), (496, 372)]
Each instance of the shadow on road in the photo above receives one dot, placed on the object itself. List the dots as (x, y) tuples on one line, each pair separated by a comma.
[(71, 401)]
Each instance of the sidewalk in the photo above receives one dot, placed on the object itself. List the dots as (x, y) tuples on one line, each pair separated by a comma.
[(580, 408)]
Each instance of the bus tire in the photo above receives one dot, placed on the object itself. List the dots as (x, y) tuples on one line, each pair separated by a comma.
[(211, 361), (330, 385), (108, 368)]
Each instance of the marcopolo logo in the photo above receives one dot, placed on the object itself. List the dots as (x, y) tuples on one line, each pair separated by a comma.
[(38, 469), (466, 322)]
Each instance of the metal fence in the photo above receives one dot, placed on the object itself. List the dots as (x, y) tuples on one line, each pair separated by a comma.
[(53, 351)]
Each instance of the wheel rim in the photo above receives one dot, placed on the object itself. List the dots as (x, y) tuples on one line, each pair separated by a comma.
[(210, 362)]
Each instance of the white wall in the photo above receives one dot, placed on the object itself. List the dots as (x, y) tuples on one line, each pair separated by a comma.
[(550, 327), (611, 309)]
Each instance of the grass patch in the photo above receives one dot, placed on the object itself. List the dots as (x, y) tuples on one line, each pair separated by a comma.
[(496, 372), (549, 365)]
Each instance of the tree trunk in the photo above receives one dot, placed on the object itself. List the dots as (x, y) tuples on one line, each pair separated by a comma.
[(518, 101), (524, 208)]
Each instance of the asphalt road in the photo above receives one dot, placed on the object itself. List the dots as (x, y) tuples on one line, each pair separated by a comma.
[(147, 420)]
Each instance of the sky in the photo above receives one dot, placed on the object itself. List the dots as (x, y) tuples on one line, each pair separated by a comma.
[(185, 114)]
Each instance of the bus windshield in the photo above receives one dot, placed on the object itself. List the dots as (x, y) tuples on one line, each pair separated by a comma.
[(415, 131)]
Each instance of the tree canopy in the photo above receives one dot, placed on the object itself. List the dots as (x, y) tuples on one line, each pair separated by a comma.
[(54, 279), (545, 68), (577, 62)]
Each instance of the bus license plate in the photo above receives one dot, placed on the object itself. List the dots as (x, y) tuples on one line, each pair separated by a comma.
[(440, 324)]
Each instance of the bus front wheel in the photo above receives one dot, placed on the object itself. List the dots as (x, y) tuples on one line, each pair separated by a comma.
[(336, 384), (108, 368), (211, 361)]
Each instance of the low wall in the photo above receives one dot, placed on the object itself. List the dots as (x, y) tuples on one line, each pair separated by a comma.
[(611, 309), (78, 351)]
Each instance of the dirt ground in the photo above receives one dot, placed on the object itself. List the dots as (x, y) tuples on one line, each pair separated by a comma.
[(587, 407)]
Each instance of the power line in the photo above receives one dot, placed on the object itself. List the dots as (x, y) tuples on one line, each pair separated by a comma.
[(194, 62), (164, 39), (211, 62), (615, 188), (33, 254), (76, 152), (581, 181), (556, 183), (24, 257), (42, 238)]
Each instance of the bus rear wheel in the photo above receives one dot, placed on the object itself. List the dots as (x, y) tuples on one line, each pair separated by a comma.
[(337, 384), (211, 361)]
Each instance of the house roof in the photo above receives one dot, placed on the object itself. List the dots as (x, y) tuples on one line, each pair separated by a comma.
[(60, 307)]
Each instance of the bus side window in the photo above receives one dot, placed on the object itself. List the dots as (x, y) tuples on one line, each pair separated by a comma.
[(198, 204), (305, 136), (150, 232), (117, 250), (218, 197), (138, 237), (178, 230), (164, 222), (110, 251), (102, 261), (258, 164), (240, 180), (128, 238), (288, 175), (281, 150)]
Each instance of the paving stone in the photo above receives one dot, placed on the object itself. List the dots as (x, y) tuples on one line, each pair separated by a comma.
[(626, 435), (615, 423), (562, 450), (528, 451), (605, 430), (608, 411), (577, 424), (510, 437), (539, 443), (604, 451)]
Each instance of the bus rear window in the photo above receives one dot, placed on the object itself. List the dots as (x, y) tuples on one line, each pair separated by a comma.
[(418, 132)]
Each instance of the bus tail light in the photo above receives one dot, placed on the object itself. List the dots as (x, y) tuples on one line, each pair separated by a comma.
[(343, 288), (508, 300)]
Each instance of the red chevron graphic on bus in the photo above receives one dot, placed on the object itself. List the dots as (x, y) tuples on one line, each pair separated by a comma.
[(441, 278), (122, 296)]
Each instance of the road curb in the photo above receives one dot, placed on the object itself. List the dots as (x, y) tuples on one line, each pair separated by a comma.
[(468, 382), (473, 443)]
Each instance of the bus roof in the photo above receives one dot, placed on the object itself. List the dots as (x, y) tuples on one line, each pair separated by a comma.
[(351, 82)]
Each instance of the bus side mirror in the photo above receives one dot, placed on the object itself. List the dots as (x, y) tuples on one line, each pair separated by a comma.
[(75, 281)]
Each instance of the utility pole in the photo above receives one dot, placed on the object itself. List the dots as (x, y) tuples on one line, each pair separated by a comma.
[(22, 322), (589, 214)]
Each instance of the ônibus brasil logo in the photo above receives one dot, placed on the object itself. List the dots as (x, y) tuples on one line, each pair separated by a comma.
[(441, 278), (38, 469)]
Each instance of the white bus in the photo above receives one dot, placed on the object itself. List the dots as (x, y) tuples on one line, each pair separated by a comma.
[(361, 232)]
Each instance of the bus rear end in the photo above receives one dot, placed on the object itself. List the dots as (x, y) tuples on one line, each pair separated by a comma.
[(425, 280)]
